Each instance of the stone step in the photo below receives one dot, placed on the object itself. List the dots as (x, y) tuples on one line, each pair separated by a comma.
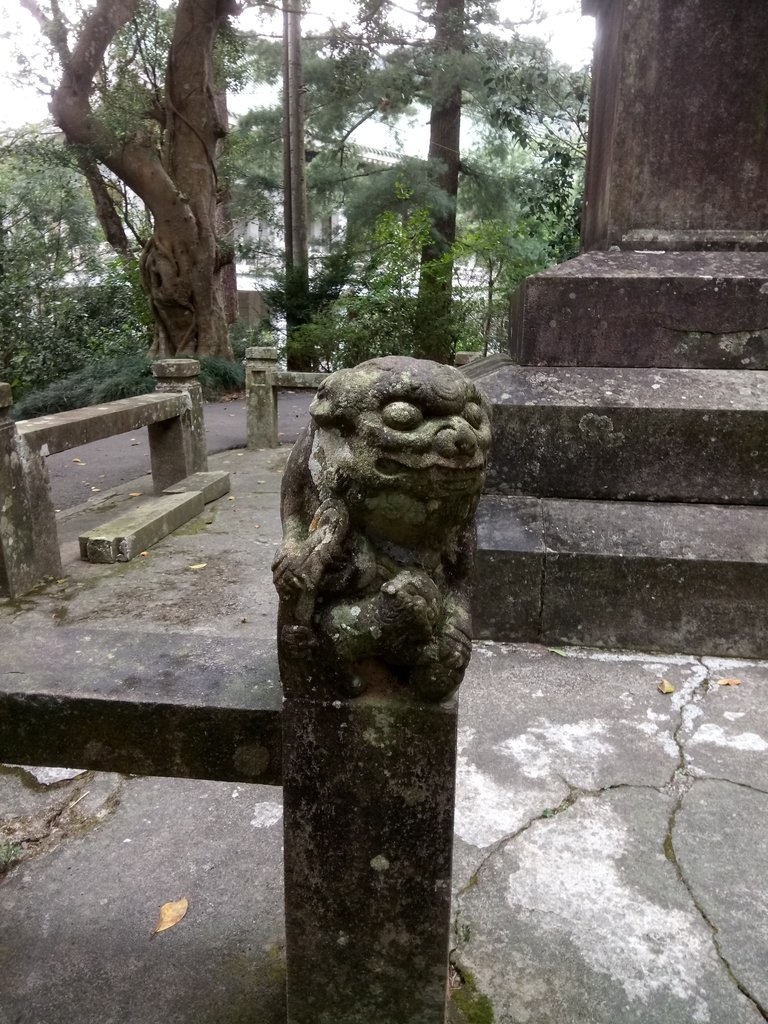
[(123, 538), (673, 309), (643, 434), (660, 577)]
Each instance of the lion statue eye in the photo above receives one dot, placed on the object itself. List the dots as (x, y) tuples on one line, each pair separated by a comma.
[(402, 416), (473, 414)]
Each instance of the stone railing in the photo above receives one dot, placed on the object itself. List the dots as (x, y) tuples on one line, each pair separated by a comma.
[(173, 414), (263, 381)]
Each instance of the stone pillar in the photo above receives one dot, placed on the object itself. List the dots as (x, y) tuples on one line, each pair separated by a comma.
[(374, 634), (678, 146), (29, 548), (368, 788), (675, 222), (177, 446), (261, 397)]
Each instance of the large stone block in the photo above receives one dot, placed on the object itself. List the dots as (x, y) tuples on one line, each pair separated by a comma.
[(678, 130), (368, 788), (663, 435), (653, 576), (669, 309), (121, 539)]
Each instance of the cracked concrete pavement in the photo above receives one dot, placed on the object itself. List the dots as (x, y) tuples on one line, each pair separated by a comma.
[(611, 851)]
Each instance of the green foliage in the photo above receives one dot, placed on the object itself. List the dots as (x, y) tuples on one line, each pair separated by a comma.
[(10, 854), (63, 300), (374, 314), (101, 380), (124, 376)]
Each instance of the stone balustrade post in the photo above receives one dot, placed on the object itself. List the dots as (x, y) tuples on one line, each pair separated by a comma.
[(29, 548), (261, 397), (374, 634), (177, 446)]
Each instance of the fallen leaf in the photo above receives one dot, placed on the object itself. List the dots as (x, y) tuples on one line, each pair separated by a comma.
[(62, 580), (143, 554), (170, 915), (257, 526), (95, 488), (135, 444), (198, 565), (78, 462), (731, 681), (261, 481), (557, 650), (231, 498), (135, 494), (665, 686)]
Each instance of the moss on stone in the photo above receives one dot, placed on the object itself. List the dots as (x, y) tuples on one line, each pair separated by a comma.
[(471, 1006)]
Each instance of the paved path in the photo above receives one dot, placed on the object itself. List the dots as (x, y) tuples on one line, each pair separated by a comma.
[(611, 851)]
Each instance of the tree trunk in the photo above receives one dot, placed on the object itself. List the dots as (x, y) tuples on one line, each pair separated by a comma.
[(179, 186), (435, 334), (295, 189), (183, 258)]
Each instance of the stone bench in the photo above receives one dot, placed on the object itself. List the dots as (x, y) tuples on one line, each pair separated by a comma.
[(29, 549)]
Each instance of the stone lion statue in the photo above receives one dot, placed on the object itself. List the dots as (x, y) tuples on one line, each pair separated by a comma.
[(378, 504)]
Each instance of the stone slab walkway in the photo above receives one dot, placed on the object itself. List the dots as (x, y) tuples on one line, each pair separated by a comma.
[(611, 857)]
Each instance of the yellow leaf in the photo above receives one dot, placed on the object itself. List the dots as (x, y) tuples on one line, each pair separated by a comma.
[(78, 462), (135, 494), (198, 565), (170, 915), (230, 498), (666, 687), (731, 681), (144, 554)]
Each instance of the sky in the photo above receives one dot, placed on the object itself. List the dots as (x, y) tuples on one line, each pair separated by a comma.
[(568, 34)]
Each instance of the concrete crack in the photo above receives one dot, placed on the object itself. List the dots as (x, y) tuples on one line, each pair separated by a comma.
[(669, 852), (500, 844), (38, 834), (678, 782)]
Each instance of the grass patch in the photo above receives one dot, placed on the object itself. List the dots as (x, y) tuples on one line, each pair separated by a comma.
[(10, 854)]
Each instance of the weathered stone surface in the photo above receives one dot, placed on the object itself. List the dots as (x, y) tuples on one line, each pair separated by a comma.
[(154, 704), (509, 562), (261, 411), (378, 502), (727, 873), (665, 309), (595, 923), (631, 574), (212, 485), (677, 125), (536, 725), (727, 738), (133, 532), (648, 434), (176, 369), (6, 398), (75, 926), (368, 791), (29, 548), (63, 430)]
